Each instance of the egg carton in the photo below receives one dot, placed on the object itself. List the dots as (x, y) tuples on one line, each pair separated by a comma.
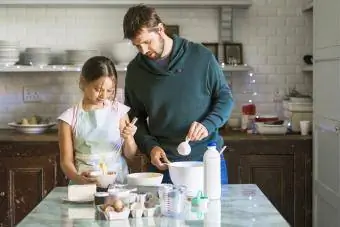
[(133, 212)]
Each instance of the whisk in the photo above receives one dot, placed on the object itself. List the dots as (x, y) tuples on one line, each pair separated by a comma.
[(118, 146)]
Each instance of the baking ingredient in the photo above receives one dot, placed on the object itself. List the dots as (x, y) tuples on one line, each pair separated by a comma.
[(109, 208), (103, 168), (81, 192), (184, 148), (212, 172), (118, 205)]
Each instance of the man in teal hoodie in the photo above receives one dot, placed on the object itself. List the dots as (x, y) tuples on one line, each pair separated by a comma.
[(176, 89)]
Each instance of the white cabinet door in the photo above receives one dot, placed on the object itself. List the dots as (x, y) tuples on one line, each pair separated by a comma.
[(326, 92), (326, 76), (326, 22), (326, 170)]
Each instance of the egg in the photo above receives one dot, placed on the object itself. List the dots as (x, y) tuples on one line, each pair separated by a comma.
[(109, 209), (118, 205), (24, 121)]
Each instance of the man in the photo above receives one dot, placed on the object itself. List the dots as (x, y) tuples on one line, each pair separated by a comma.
[(175, 88)]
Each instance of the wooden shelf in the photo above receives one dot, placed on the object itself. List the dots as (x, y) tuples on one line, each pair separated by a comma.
[(70, 68), (125, 3), (307, 68), (308, 7), (49, 68)]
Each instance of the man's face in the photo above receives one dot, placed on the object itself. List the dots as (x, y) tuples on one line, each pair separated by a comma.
[(150, 43)]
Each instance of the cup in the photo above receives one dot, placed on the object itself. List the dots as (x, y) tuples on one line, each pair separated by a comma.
[(304, 127)]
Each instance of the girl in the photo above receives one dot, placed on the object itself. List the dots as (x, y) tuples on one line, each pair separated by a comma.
[(93, 133)]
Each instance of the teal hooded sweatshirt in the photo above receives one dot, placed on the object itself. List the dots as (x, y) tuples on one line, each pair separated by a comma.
[(167, 101)]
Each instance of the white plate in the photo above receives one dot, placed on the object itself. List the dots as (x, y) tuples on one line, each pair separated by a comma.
[(31, 129), (66, 200)]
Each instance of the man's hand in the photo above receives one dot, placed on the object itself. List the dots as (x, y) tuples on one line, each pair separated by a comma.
[(158, 158), (197, 132)]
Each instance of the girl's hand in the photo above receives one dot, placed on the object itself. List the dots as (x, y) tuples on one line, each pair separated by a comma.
[(128, 130), (86, 178)]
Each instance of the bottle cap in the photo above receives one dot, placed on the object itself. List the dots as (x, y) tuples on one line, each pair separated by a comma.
[(212, 144)]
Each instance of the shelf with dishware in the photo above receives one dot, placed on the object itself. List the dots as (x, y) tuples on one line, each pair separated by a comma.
[(125, 3), (236, 68), (47, 68), (43, 59), (77, 68)]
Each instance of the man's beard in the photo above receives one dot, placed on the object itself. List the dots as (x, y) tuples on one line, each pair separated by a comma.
[(155, 55)]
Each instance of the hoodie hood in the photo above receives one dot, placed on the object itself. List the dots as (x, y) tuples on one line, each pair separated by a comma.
[(177, 58)]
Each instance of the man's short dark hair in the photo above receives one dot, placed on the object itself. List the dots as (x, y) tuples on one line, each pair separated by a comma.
[(138, 17)]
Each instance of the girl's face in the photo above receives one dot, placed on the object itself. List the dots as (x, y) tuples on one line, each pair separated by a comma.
[(98, 91)]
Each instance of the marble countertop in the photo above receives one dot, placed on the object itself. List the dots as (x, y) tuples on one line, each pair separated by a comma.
[(9, 135), (241, 205)]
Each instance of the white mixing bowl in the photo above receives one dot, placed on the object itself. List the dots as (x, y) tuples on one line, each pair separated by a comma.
[(189, 174), (123, 52)]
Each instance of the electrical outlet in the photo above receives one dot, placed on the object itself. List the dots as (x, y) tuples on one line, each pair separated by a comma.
[(31, 94)]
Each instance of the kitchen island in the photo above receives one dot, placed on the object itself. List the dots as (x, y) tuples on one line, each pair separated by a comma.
[(280, 165), (241, 205)]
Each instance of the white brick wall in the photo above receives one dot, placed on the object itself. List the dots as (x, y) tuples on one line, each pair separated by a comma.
[(275, 35)]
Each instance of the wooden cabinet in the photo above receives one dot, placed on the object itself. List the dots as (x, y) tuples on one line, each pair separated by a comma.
[(281, 169), (4, 208), (25, 179), (28, 180)]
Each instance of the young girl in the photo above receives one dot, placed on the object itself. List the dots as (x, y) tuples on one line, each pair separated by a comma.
[(93, 133)]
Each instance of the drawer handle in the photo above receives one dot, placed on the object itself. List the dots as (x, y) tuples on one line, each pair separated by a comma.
[(325, 128), (2, 194)]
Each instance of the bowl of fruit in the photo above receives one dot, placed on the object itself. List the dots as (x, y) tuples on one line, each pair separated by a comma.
[(32, 125)]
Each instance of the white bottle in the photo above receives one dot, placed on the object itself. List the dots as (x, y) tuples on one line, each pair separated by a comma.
[(212, 172)]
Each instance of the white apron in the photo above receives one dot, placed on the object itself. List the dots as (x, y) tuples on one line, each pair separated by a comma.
[(96, 137)]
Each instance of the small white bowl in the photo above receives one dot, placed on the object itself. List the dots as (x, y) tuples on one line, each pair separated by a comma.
[(145, 179), (120, 193)]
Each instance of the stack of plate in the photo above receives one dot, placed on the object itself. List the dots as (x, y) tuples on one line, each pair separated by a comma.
[(79, 57), (37, 56), (9, 53)]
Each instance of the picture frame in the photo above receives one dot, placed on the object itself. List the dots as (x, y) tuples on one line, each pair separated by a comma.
[(171, 30), (233, 53), (213, 47)]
